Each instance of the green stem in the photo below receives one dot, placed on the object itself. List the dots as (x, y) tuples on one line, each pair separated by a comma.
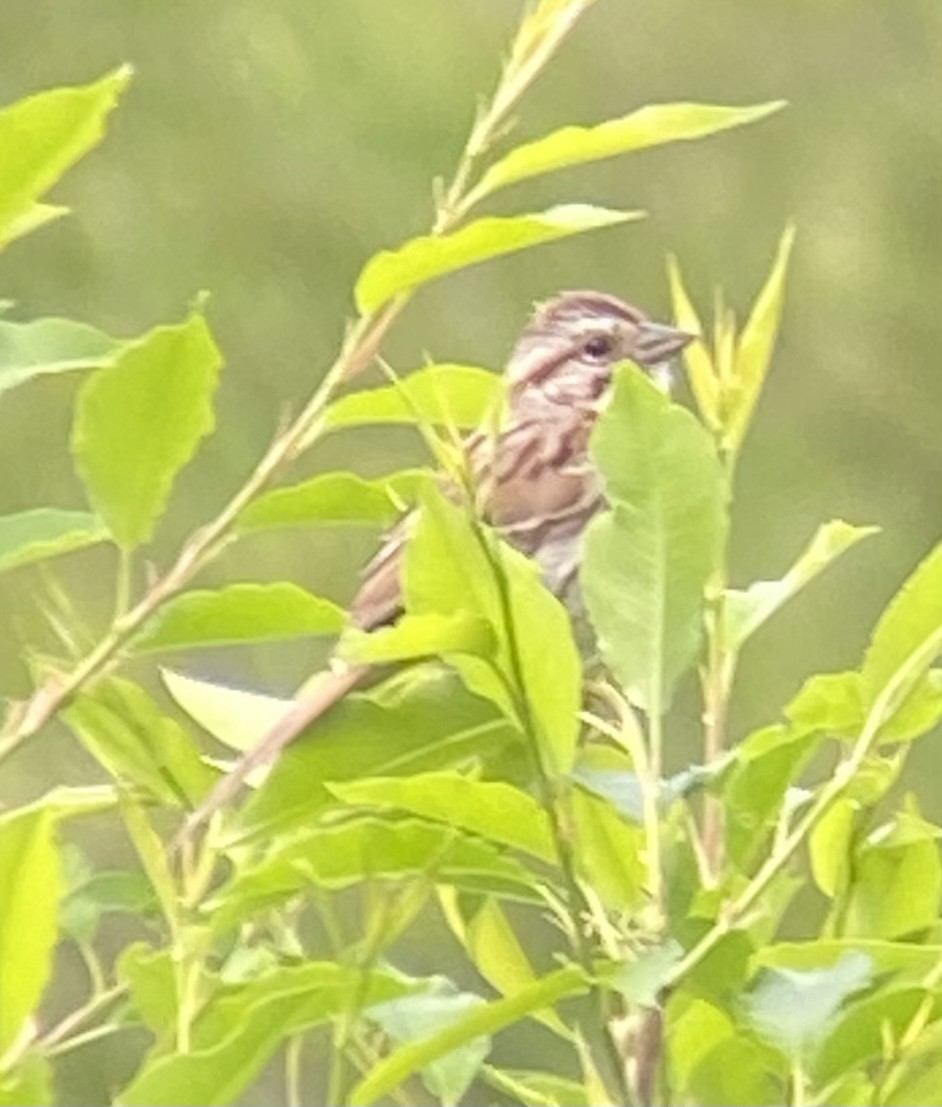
[(293, 1049)]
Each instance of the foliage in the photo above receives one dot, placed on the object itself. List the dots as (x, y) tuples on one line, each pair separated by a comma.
[(474, 786)]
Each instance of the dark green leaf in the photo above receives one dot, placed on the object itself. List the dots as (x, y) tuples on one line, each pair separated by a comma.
[(104, 893), (653, 125), (46, 346), (423, 259), (336, 498), (31, 887), (239, 613), (46, 532), (459, 396), (140, 420), (43, 136)]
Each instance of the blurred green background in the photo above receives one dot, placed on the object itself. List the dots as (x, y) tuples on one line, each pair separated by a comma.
[(268, 147)]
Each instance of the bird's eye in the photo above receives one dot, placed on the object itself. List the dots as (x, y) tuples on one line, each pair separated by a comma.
[(598, 346)]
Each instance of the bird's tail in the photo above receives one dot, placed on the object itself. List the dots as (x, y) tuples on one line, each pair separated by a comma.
[(317, 696)]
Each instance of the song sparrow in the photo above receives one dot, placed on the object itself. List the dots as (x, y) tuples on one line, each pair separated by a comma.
[(537, 482)]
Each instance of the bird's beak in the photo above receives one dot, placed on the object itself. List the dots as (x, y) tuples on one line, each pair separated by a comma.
[(658, 343)]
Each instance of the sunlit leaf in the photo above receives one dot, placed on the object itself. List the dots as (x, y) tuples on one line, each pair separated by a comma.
[(31, 887), (236, 1036), (830, 846), (885, 956), (747, 610), (610, 851), (535, 675), (756, 343), (240, 613), (43, 136), (697, 361), (458, 396), (412, 1018), (336, 498), (112, 891), (795, 1009), (495, 810), (694, 1028), (236, 717), (46, 532), (423, 259), (28, 1082), (47, 346), (907, 638), (647, 562), (139, 421), (153, 857), (487, 1019), (39, 215), (417, 636), (654, 125), (738, 1071)]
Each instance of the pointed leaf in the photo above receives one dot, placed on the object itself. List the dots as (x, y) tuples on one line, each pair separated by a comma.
[(648, 561), (697, 361), (140, 420), (46, 532), (459, 396), (756, 344), (240, 613), (747, 610), (32, 219), (488, 1019), (236, 717), (43, 136), (654, 125), (336, 498), (47, 346), (31, 887), (417, 636), (421, 260)]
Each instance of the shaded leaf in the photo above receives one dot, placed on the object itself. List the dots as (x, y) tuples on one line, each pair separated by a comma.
[(487, 1019), (458, 396), (43, 532), (139, 421), (336, 498), (43, 136), (747, 610), (48, 346), (418, 636), (641, 981), (653, 125), (31, 887), (738, 1072), (239, 613), (109, 892), (756, 343), (648, 561), (423, 259)]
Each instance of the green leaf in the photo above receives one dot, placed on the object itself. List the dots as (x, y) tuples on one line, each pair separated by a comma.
[(139, 421), (747, 611), (885, 956), (234, 716), (235, 1036), (642, 981), (417, 636), (390, 1072), (31, 220), (610, 851), (367, 849), (738, 1072), (31, 887), (830, 846), (336, 498), (756, 344), (654, 125), (494, 810), (459, 396), (43, 136), (694, 1028), (43, 532), (47, 346), (29, 1082), (124, 730), (921, 1089), (422, 259), (648, 561), (430, 722), (697, 361), (149, 976), (907, 639), (535, 676), (154, 859), (412, 1018), (794, 1010), (109, 892), (239, 613)]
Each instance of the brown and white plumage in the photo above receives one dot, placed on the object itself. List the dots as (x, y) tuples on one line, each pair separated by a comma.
[(535, 480)]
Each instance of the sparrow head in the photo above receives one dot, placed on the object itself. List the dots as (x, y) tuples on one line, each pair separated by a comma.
[(568, 351)]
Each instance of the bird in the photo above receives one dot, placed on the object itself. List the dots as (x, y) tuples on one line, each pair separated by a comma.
[(538, 487)]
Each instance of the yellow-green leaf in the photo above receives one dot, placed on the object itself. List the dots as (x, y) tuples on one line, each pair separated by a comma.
[(700, 369), (46, 532)]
